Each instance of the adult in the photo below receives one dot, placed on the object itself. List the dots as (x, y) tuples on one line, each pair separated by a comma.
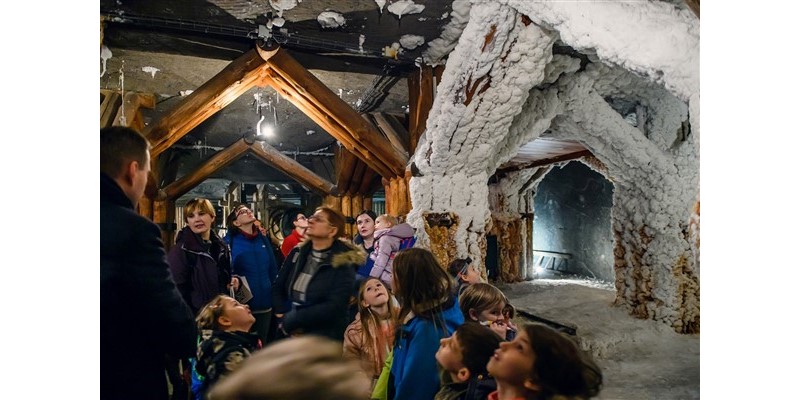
[(200, 261), (365, 239), (143, 318), (316, 280), (298, 233), (252, 257)]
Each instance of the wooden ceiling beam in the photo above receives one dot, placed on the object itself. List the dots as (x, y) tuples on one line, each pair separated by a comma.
[(544, 161), (366, 181), (345, 164), (292, 168), (334, 115), (392, 132), (358, 175), (216, 162), (235, 79), (420, 101)]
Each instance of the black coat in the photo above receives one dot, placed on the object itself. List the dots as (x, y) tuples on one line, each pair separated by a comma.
[(142, 315), (200, 271), (328, 293)]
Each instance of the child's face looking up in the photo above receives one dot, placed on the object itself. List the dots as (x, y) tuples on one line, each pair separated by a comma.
[(449, 355), (375, 294), (513, 362)]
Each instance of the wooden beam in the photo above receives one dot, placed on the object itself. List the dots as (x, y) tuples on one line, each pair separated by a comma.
[(391, 132), (545, 161), (292, 168), (236, 78), (366, 181), (134, 102), (345, 164), (536, 175), (108, 107), (334, 115), (358, 175), (218, 161), (420, 101)]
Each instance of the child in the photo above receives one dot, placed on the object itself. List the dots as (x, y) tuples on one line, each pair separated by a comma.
[(462, 271), (483, 303), (542, 363), (371, 336), (428, 313), (388, 235), (229, 343), (463, 359)]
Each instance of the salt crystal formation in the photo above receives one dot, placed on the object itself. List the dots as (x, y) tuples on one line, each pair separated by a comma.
[(503, 87)]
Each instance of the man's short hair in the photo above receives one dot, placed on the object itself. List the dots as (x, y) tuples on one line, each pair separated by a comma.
[(119, 145)]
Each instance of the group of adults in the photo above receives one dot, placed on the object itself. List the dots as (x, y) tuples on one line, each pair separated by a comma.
[(149, 299)]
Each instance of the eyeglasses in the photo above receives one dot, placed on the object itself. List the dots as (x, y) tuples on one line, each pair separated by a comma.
[(317, 218), (243, 211), (302, 217)]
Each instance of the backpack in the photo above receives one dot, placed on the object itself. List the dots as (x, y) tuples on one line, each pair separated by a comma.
[(408, 242)]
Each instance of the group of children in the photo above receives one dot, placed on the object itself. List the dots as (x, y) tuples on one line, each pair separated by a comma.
[(422, 333)]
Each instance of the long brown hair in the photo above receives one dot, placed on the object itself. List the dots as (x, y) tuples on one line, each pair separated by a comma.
[(371, 324), (421, 284)]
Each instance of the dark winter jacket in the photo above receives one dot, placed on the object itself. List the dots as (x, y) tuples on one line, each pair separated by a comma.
[(200, 270), (222, 353), (142, 315), (325, 310), (476, 388), (254, 259), (363, 269)]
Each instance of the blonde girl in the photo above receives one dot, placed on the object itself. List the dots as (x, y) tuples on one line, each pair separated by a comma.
[(370, 337)]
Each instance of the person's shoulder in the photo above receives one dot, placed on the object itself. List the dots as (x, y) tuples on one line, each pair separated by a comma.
[(347, 253)]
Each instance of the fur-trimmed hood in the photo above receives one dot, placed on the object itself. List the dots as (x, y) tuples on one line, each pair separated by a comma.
[(344, 252)]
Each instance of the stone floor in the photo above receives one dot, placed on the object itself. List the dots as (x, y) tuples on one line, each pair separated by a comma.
[(640, 359)]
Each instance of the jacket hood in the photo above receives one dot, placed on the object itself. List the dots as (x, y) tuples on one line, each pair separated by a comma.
[(402, 231), (344, 252)]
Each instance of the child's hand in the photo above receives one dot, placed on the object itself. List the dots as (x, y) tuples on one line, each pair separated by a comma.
[(500, 328)]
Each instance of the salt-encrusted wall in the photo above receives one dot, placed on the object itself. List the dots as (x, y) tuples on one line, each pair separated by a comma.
[(502, 87), (500, 56)]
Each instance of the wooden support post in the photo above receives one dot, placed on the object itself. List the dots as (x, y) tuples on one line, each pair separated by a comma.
[(347, 211), (420, 101), (164, 217), (345, 164), (334, 202), (357, 204), (367, 203), (398, 199), (235, 79), (145, 207)]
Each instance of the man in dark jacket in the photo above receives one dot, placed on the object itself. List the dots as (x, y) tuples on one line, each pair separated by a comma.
[(142, 316)]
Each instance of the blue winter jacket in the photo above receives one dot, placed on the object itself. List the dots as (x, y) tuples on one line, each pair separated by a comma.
[(414, 373), (254, 259)]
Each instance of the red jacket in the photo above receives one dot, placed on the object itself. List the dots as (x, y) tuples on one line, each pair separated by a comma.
[(289, 242)]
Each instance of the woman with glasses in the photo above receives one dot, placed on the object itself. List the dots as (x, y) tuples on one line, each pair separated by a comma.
[(298, 234), (316, 280), (252, 257)]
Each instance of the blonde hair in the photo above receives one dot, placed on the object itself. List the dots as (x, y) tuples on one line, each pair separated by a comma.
[(307, 367), (388, 218), (200, 204), (480, 297), (207, 318)]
